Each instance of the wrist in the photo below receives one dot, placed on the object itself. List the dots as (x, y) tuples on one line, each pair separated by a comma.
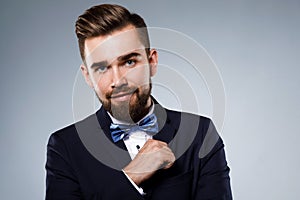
[(135, 177)]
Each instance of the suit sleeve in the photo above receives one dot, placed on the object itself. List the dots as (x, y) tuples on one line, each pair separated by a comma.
[(61, 182), (213, 181)]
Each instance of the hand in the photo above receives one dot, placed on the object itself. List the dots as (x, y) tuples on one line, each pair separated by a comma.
[(153, 156)]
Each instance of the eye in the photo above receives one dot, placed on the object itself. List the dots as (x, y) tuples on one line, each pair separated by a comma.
[(101, 69), (130, 63)]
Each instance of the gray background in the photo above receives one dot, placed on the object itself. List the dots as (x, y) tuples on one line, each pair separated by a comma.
[(255, 45)]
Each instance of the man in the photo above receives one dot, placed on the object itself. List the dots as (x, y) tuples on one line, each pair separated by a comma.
[(166, 156)]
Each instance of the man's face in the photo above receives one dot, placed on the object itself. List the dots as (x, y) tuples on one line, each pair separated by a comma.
[(119, 70)]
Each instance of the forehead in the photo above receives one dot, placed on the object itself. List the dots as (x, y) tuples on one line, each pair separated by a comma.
[(110, 47)]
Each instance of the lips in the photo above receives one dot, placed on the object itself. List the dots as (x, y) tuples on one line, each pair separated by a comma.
[(122, 96)]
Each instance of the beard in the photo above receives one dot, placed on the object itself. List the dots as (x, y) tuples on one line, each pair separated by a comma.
[(129, 111)]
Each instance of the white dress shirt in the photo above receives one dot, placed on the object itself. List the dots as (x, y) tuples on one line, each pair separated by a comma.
[(134, 142)]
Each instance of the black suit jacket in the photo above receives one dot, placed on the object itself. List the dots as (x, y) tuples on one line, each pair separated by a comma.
[(84, 163)]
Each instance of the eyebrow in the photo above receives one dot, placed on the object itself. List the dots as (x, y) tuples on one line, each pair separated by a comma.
[(128, 56), (101, 63), (121, 58)]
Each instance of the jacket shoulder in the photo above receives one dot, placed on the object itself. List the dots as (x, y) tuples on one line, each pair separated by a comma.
[(173, 114), (70, 132)]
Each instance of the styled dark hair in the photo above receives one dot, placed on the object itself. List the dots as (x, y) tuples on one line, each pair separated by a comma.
[(106, 18)]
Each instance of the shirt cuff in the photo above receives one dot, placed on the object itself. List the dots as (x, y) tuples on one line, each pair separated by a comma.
[(139, 189)]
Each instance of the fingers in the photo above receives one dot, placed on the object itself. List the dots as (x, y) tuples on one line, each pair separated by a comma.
[(154, 155), (160, 151), (170, 159), (153, 145)]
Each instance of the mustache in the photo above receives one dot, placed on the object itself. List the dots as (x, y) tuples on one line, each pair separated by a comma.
[(121, 90)]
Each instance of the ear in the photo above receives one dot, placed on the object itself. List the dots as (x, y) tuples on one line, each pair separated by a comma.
[(153, 60), (86, 75)]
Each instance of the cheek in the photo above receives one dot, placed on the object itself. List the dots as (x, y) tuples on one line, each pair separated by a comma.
[(101, 87), (100, 91), (139, 75)]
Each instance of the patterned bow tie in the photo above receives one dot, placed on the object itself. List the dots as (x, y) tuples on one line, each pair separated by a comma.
[(148, 125)]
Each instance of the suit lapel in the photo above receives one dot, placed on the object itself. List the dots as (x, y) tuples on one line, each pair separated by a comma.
[(105, 121), (166, 123)]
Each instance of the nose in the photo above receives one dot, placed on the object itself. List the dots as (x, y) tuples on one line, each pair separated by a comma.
[(118, 78)]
